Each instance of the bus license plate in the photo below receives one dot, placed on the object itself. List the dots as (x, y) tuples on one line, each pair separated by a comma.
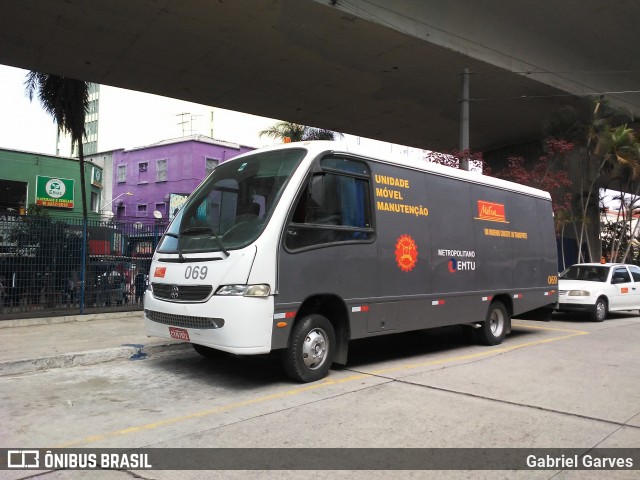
[(179, 333)]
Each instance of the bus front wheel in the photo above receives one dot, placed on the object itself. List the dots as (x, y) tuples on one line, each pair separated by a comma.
[(311, 348)]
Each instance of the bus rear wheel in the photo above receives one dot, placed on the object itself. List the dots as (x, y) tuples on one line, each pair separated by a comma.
[(310, 351), (493, 330)]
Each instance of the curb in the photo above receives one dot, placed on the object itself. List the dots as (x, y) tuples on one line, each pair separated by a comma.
[(93, 357), (30, 322)]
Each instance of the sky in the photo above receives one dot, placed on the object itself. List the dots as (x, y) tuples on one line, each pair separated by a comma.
[(130, 119), (23, 124)]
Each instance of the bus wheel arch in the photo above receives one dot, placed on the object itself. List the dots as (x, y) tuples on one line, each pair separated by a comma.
[(309, 354), (496, 324), (333, 308), (330, 308)]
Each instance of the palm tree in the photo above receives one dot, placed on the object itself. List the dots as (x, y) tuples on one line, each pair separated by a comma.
[(613, 147), (297, 133), (608, 146), (67, 101)]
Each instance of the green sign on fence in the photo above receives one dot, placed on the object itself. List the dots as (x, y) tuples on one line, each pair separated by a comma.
[(54, 192)]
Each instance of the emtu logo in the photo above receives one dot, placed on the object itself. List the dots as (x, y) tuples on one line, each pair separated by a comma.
[(456, 265)]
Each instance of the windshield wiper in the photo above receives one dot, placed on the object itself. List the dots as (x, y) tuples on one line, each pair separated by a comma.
[(201, 229), (169, 234)]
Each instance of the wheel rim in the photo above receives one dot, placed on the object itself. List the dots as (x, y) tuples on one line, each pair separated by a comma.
[(314, 349), (600, 309), (496, 322)]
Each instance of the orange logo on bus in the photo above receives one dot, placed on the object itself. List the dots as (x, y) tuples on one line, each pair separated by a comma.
[(490, 211), (406, 253), (160, 272)]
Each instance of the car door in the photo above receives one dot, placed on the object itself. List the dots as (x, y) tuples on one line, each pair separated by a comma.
[(635, 289), (622, 298)]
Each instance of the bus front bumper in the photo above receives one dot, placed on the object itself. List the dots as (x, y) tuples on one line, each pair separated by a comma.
[(239, 325)]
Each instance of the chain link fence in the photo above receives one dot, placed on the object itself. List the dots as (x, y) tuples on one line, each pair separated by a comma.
[(60, 266)]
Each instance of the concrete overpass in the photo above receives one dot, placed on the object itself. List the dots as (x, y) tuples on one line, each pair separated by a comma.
[(385, 70)]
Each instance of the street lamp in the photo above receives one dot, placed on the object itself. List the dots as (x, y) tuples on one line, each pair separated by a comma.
[(102, 210)]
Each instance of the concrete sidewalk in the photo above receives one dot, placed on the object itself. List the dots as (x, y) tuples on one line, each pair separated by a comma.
[(31, 345)]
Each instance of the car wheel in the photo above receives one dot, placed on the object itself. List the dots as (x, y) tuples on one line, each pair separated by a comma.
[(310, 351), (599, 312), (493, 330)]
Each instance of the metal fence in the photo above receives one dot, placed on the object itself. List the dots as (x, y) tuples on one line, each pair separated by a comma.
[(60, 266)]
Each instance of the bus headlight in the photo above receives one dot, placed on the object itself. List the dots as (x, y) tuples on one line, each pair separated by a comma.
[(578, 293), (244, 290)]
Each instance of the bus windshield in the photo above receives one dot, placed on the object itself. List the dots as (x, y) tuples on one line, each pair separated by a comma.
[(231, 207)]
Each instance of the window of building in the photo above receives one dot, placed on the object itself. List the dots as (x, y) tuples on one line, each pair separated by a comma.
[(141, 210), (210, 164), (161, 170), (142, 172), (122, 173), (95, 202), (162, 208), (334, 207)]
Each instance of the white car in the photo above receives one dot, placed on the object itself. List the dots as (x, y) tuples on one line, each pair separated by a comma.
[(599, 288)]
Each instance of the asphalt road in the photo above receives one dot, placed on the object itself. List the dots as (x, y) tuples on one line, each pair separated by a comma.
[(563, 384)]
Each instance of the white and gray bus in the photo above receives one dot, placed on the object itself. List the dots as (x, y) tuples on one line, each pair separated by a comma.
[(303, 247)]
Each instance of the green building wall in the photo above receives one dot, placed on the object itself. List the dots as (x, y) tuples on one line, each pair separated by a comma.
[(26, 166)]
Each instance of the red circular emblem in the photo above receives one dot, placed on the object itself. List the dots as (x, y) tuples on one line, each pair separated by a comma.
[(406, 253)]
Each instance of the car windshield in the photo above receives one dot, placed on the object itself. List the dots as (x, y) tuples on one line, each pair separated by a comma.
[(231, 207), (592, 273)]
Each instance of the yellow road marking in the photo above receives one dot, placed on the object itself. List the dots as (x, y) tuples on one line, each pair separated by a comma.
[(327, 382), (486, 353)]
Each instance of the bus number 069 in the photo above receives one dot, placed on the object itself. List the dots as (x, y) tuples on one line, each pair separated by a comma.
[(196, 273)]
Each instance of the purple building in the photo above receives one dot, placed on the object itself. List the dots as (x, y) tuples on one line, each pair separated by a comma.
[(153, 181)]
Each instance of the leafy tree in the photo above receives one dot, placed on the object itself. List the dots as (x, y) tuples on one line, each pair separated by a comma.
[(297, 133), (619, 236), (67, 101), (605, 145), (611, 147), (49, 252), (547, 174)]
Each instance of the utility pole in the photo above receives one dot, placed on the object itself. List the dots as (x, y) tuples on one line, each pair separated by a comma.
[(464, 119)]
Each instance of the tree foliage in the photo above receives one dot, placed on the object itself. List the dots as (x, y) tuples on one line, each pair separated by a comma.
[(454, 157), (297, 133), (67, 101), (48, 252), (547, 173)]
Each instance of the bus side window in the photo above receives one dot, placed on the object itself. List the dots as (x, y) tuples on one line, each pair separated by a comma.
[(332, 208)]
